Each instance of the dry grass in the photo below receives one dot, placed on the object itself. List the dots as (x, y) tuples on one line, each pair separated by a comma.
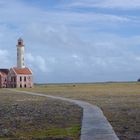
[(120, 103), (30, 117)]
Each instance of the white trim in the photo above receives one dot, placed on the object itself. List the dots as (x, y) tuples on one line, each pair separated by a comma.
[(14, 71), (31, 71)]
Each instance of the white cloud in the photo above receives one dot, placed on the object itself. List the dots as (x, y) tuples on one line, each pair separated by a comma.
[(121, 4), (41, 63), (37, 63), (28, 15), (30, 57), (4, 59), (70, 45), (3, 53)]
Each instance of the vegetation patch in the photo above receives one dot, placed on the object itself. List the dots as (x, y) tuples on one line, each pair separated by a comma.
[(28, 117), (69, 132)]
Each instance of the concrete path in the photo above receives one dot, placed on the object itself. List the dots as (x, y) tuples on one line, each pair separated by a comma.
[(95, 126)]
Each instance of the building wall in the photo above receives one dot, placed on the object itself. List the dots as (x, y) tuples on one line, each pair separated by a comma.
[(11, 79), (24, 81), (0, 82), (3, 81), (19, 81)]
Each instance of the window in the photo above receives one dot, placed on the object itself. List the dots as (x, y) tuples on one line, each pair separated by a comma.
[(25, 85), (24, 78), (14, 79), (20, 86), (11, 79), (20, 78), (29, 78)]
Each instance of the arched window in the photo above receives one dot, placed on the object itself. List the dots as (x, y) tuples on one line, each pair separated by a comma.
[(25, 78)]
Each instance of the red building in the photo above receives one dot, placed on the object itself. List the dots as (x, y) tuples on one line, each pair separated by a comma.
[(20, 78), (3, 78)]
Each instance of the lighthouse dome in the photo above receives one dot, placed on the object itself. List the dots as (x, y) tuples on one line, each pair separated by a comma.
[(20, 42)]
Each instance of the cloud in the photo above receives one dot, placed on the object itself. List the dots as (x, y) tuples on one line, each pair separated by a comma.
[(30, 15), (69, 57), (3, 54), (125, 4), (5, 62), (66, 44), (37, 63), (41, 63)]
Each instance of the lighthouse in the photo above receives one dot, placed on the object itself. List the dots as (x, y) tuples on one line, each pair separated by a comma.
[(19, 76), (20, 54)]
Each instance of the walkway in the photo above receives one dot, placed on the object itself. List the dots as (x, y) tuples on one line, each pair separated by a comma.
[(95, 126)]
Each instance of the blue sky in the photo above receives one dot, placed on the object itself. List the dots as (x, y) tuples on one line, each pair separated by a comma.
[(73, 40)]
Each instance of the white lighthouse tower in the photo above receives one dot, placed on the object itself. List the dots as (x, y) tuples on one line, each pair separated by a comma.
[(20, 54)]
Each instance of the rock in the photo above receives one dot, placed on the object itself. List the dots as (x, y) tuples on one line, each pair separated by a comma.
[(6, 132)]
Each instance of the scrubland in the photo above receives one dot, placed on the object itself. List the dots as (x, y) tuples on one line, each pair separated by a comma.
[(26, 117), (120, 102)]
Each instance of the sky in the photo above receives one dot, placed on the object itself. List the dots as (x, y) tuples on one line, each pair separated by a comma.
[(73, 40)]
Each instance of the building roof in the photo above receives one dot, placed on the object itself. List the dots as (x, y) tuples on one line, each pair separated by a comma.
[(4, 71), (24, 71)]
